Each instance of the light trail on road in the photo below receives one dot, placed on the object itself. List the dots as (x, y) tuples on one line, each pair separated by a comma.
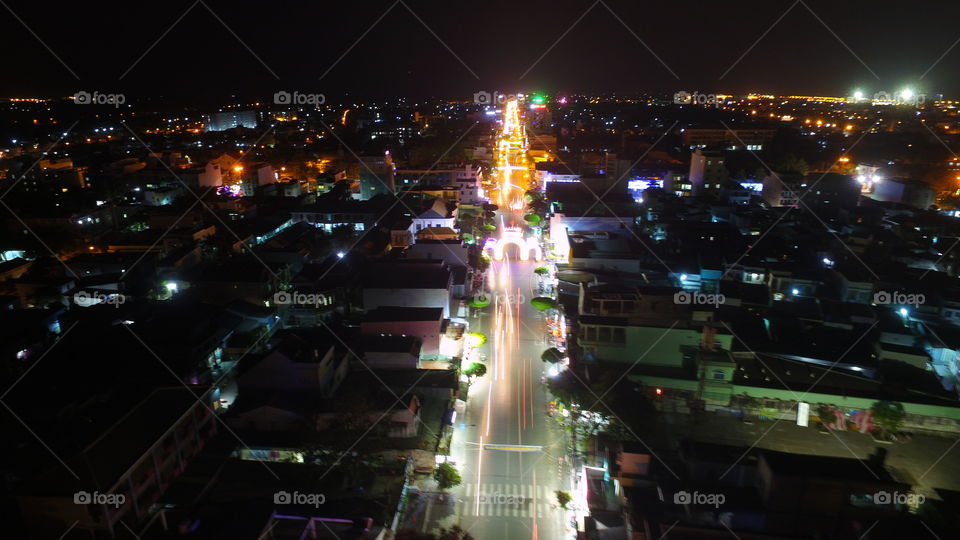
[(516, 331), (479, 471)]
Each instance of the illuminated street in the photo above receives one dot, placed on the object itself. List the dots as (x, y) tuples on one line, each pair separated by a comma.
[(511, 449), (410, 280)]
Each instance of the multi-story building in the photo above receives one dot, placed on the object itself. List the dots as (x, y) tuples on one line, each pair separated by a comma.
[(121, 475), (548, 172), (731, 139), (780, 190), (222, 121), (377, 176), (900, 190), (708, 172), (468, 182), (330, 216)]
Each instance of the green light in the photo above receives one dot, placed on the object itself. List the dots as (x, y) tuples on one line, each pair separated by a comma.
[(539, 99)]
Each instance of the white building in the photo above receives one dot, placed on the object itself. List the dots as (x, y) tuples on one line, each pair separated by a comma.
[(438, 215), (468, 184), (426, 283)]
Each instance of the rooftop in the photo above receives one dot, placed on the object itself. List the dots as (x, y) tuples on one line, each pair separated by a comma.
[(403, 314)]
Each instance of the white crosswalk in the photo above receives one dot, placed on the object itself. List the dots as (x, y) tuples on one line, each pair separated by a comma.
[(507, 500)]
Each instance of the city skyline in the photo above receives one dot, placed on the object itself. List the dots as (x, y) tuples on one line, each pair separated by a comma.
[(421, 270)]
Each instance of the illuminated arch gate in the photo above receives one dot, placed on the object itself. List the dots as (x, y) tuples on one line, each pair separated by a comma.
[(514, 236)]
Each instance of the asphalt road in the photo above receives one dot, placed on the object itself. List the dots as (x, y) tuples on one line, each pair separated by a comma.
[(509, 493)]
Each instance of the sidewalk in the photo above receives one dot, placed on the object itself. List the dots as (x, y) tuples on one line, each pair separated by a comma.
[(429, 510)]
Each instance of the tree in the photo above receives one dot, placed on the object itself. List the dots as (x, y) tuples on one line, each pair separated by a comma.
[(479, 301), (888, 415), (563, 499), (343, 235), (476, 369), (748, 403), (792, 164), (447, 476), (541, 270), (621, 401), (543, 303), (536, 201), (552, 355), (477, 339), (482, 263), (340, 191), (825, 413), (454, 533)]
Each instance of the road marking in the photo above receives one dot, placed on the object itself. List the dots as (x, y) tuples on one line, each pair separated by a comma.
[(479, 470), (509, 500), (513, 447)]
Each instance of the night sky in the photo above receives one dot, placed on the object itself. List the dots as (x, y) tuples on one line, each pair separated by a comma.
[(498, 45)]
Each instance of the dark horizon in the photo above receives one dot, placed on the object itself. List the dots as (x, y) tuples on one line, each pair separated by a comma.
[(215, 49)]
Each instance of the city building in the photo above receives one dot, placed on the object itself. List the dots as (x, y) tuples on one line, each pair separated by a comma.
[(421, 283), (708, 173), (123, 474), (730, 139), (377, 176), (425, 324), (222, 121), (783, 190)]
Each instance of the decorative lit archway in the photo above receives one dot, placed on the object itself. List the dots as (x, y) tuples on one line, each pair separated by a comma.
[(514, 236)]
